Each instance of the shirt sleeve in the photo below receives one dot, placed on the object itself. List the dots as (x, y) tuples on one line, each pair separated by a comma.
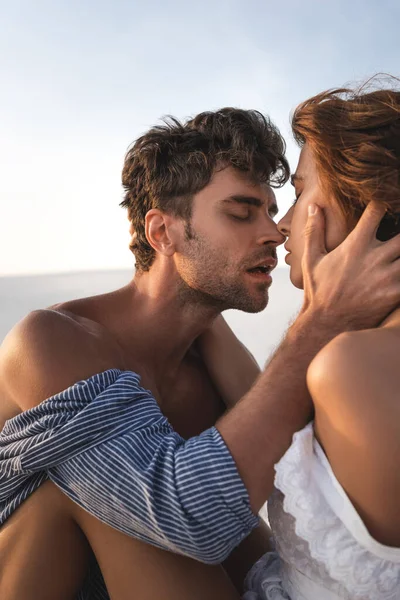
[(106, 444)]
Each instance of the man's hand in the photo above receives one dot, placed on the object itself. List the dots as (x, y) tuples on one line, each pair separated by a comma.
[(358, 283)]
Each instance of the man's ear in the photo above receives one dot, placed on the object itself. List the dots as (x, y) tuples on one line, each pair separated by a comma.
[(161, 232)]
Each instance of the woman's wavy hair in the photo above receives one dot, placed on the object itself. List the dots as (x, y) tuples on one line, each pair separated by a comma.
[(354, 135), (170, 163)]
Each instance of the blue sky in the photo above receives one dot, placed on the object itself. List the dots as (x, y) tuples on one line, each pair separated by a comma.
[(81, 80)]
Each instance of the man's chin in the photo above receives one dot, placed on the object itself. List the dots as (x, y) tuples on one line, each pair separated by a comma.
[(236, 299), (252, 306)]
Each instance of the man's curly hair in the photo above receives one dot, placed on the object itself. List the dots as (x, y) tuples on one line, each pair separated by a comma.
[(173, 161)]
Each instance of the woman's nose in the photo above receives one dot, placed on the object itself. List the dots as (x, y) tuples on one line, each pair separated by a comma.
[(284, 224)]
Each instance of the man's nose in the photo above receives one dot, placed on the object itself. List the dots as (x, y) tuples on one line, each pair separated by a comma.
[(270, 234)]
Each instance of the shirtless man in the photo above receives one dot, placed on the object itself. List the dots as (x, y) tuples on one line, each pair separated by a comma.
[(201, 205)]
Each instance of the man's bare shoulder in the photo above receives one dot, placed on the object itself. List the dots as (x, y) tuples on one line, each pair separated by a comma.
[(48, 351), (355, 365)]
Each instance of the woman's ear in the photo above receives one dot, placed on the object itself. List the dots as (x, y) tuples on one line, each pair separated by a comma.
[(159, 232)]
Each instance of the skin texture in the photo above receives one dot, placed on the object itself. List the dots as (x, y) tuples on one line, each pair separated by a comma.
[(150, 327), (353, 381)]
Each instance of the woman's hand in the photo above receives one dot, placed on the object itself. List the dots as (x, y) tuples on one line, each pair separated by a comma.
[(357, 284)]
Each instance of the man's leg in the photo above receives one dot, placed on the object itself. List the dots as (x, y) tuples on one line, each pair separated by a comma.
[(47, 558), (43, 552), (128, 564)]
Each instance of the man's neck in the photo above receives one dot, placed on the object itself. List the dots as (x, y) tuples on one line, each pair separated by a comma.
[(159, 320)]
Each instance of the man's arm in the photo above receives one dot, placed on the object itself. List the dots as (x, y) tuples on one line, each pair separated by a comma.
[(233, 371), (47, 352), (244, 556), (231, 366)]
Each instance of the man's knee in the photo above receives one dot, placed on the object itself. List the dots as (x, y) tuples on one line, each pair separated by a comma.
[(42, 540)]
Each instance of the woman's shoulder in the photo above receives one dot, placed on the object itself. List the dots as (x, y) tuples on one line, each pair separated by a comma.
[(355, 362), (356, 345)]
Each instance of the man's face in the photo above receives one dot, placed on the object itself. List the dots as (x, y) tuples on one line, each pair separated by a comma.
[(230, 244)]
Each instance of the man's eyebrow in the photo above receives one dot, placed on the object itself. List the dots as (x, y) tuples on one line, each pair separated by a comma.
[(295, 177)]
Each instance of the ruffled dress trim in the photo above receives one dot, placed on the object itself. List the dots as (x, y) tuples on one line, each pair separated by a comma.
[(337, 538)]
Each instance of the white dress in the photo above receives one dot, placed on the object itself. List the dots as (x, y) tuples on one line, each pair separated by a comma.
[(323, 549)]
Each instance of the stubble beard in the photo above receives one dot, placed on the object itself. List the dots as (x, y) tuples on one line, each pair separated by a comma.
[(205, 280)]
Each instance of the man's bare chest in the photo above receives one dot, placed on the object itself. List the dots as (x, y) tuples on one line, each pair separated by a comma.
[(193, 404), (189, 400)]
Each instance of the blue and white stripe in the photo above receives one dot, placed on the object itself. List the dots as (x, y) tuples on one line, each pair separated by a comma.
[(107, 445)]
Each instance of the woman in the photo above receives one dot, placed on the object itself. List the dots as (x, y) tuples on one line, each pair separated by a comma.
[(335, 512), (307, 534)]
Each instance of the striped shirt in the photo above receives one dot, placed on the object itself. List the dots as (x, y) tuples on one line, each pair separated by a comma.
[(106, 444)]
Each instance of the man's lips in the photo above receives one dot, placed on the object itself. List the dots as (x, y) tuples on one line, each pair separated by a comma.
[(263, 276), (260, 270), (267, 264)]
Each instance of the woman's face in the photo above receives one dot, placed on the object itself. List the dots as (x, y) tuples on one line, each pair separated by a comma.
[(309, 190)]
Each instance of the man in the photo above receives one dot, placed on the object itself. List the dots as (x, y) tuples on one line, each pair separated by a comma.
[(201, 205)]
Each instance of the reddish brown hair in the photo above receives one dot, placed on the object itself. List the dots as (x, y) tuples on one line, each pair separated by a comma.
[(355, 138)]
